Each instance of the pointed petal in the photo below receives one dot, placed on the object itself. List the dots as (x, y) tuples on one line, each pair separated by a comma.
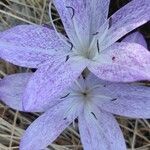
[(66, 17), (123, 62), (44, 130), (101, 132), (130, 100), (136, 37), (50, 81), (71, 13), (30, 45), (12, 88), (98, 13), (131, 16)]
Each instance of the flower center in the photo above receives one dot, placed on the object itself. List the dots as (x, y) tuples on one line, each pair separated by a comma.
[(91, 50), (84, 94), (88, 53)]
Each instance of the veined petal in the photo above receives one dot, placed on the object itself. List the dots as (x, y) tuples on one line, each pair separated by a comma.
[(71, 13), (98, 13), (100, 131), (123, 62), (135, 37), (44, 130), (50, 81), (130, 100), (30, 45), (66, 15), (131, 16), (12, 88)]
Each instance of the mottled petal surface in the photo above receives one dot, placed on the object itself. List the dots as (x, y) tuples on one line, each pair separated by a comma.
[(98, 13), (123, 62), (130, 100), (12, 88), (50, 81), (66, 15), (100, 131), (71, 13), (135, 37), (30, 45), (44, 130), (131, 16)]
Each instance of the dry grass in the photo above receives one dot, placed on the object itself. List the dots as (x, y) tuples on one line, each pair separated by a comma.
[(13, 123)]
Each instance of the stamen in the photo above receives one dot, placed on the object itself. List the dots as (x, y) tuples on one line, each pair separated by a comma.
[(94, 115), (67, 57), (71, 45), (73, 11), (84, 77), (95, 33), (114, 99), (98, 46), (84, 94), (65, 96), (110, 22)]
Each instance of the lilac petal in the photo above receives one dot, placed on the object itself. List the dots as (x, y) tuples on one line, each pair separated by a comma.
[(135, 37), (50, 81), (71, 13), (131, 16), (30, 45), (44, 130), (98, 13), (123, 62), (12, 88), (100, 131), (66, 16), (130, 100)]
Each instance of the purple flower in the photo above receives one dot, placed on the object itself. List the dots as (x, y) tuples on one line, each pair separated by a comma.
[(90, 44), (91, 100)]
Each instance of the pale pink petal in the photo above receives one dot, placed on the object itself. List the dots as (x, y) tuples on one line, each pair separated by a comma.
[(50, 81), (30, 45), (123, 62)]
